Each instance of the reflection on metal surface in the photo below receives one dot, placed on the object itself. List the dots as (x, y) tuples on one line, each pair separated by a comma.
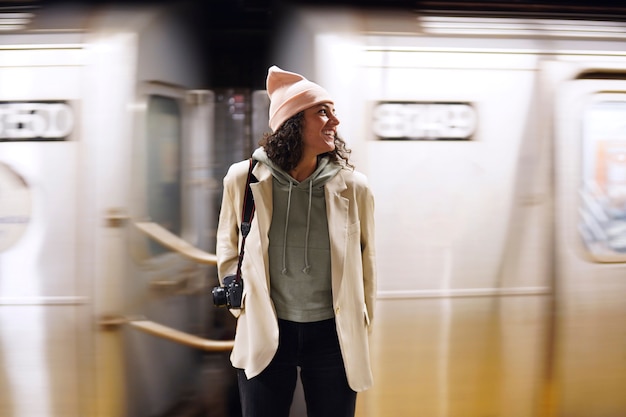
[(457, 357), (43, 301), (464, 292), (163, 168), (115, 217), (182, 284), (37, 345), (493, 26)]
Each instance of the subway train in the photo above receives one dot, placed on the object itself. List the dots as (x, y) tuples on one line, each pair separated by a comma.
[(108, 199), (496, 151)]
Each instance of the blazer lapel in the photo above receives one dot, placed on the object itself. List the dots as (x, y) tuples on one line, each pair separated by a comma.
[(262, 193), (337, 208)]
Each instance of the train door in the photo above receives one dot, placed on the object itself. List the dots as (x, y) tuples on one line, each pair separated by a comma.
[(590, 218), (170, 189)]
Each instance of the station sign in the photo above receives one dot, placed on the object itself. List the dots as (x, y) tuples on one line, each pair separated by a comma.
[(424, 121), (31, 121)]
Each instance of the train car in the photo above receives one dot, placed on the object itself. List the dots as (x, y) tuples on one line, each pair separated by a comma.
[(496, 150), (108, 207)]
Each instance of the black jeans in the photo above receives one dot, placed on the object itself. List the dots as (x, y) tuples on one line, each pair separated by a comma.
[(313, 347)]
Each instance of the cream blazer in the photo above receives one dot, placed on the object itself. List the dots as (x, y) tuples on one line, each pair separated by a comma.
[(350, 211)]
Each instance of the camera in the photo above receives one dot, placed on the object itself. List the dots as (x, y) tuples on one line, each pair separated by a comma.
[(229, 294)]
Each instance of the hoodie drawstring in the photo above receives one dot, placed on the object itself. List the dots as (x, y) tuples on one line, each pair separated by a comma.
[(307, 267), (284, 271)]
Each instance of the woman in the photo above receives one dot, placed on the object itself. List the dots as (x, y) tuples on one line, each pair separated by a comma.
[(308, 270)]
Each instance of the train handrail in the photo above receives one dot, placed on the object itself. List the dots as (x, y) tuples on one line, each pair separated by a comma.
[(169, 333), (171, 241), (160, 234), (181, 337)]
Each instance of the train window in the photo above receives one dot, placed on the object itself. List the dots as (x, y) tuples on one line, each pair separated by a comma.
[(15, 210), (424, 121), (603, 207), (164, 159)]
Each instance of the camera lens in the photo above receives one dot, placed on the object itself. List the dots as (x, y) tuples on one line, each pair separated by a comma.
[(219, 296)]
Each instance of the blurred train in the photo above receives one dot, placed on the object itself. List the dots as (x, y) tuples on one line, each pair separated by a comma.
[(107, 160), (496, 149)]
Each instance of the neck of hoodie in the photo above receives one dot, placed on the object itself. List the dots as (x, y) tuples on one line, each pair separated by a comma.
[(304, 169)]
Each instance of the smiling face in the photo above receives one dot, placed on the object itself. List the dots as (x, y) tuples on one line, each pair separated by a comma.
[(319, 129)]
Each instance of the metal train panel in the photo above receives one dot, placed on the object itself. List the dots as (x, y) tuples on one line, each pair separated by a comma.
[(589, 139), (494, 148), (97, 137), (41, 301)]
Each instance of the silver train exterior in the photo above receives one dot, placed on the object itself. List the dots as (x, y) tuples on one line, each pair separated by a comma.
[(496, 149), (106, 161)]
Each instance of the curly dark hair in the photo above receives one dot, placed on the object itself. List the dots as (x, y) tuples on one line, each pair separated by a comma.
[(284, 147)]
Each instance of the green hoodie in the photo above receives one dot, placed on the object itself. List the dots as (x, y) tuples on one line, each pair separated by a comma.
[(299, 247)]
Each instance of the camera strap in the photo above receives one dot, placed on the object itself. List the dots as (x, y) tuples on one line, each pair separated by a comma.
[(246, 215)]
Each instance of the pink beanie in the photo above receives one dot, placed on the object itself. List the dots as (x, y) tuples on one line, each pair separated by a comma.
[(291, 93)]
